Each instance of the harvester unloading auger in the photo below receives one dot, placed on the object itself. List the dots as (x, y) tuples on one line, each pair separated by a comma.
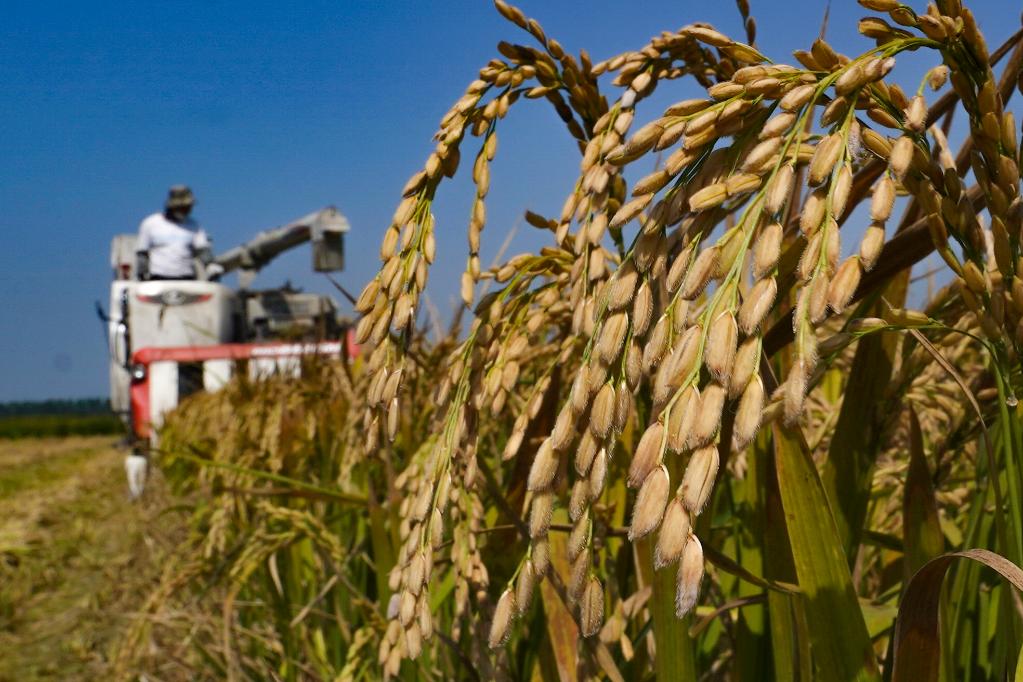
[(170, 338)]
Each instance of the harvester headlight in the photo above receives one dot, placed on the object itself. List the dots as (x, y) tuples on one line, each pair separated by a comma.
[(138, 371)]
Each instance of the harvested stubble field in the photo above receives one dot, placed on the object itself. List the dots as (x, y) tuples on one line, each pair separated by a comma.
[(76, 557)]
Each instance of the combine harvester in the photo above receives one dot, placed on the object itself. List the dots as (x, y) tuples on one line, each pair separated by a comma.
[(171, 338)]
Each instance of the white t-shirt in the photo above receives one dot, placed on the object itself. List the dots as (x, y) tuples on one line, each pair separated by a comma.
[(171, 246)]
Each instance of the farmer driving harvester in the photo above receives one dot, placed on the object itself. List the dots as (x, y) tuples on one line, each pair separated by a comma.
[(170, 242)]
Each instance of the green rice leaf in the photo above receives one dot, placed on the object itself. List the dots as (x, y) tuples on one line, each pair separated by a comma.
[(838, 634)]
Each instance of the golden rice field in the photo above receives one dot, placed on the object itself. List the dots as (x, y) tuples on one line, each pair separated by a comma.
[(706, 432)]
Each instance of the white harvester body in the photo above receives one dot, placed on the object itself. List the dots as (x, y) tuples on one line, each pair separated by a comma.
[(170, 338), (167, 314)]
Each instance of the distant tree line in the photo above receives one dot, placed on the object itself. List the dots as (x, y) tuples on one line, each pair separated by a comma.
[(55, 406), (57, 418)]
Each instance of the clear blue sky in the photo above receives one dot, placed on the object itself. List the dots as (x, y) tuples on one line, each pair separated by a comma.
[(271, 110)]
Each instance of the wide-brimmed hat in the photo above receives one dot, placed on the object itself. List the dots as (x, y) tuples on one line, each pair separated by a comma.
[(180, 196)]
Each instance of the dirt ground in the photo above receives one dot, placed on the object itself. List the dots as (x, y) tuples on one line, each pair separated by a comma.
[(77, 557)]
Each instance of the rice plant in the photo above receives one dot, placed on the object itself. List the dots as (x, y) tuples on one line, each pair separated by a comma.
[(683, 440)]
